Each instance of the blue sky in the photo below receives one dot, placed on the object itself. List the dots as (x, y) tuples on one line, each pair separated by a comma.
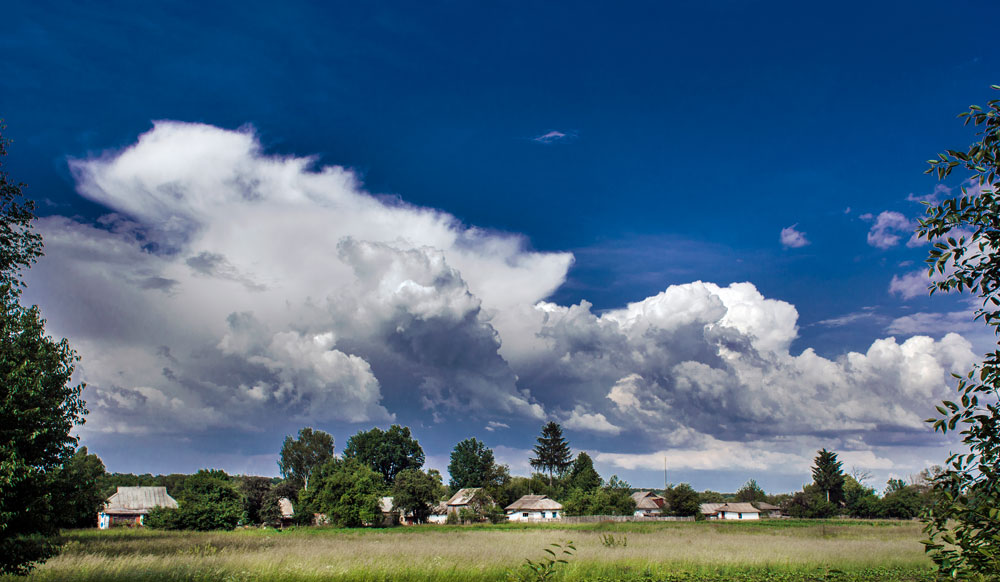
[(511, 178)]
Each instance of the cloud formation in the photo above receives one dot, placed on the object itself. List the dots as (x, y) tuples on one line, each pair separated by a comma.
[(228, 287), (889, 227), (792, 238), (554, 136)]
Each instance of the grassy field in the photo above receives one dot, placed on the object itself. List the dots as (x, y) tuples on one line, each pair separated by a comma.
[(679, 551)]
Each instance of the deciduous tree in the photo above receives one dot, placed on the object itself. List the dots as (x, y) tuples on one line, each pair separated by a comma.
[(471, 464), (386, 452), (300, 456), (965, 232), (38, 404)]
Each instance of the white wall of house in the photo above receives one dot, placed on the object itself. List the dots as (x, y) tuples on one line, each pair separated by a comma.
[(743, 516), (546, 515), (438, 519)]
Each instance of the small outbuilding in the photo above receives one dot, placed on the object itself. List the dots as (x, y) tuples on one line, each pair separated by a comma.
[(130, 505), (767, 509), (287, 512), (439, 513), (534, 508)]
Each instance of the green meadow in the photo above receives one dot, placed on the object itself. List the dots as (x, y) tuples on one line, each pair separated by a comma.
[(783, 550)]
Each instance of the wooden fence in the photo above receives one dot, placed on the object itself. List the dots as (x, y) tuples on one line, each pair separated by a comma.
[(599, 518)]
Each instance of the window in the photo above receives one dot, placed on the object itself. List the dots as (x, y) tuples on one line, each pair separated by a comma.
[(555, 514), (525, 514), (740, 515)]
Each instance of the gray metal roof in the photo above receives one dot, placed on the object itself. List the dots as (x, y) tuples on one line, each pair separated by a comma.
[(138, 500), (647, 500)]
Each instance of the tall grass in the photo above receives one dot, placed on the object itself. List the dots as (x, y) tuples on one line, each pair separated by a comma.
[(655, 551)]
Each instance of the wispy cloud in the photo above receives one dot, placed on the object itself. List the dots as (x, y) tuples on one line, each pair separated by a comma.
[(887, 230), (792, 238), (555, 136), (494, 425), (865, 313)]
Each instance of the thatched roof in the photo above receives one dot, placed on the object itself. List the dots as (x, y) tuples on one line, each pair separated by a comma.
[(764, 506), (534, 503), (132, 500), (440, 509)]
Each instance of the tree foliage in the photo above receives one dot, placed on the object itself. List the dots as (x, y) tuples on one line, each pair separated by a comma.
[(300, 456), (471, 465), (828, 476), (965, 233), (209, 501), (682, 500), (612, 499), (386, 452), (751, 492), (346, 491), (38, 405), (552, 453), (76, 490), (415, 492), (582, 474)]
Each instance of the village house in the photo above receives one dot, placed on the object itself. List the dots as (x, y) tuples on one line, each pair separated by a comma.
[(731, 510), (648, 504), (439, 513), (534, 508), (287, 511), (767, 509), (130, 505)]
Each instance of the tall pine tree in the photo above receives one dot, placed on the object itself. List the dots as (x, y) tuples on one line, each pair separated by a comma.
[(828, 476), (552, 452)]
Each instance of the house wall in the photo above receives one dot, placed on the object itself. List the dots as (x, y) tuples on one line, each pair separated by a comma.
[(438, 519), (534, 515), (743, 516)]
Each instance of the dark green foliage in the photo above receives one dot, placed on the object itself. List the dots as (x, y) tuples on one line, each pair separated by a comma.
[(964, 522), (751, 492), (811, 503), (471, 465), (209, 501), (253, 491), (708, 496), (347, 491), (552, 452), (615, 498), (860, 500), (904, 503), (76, 491), (537, 484), (38, 406), (894, 485), (270, 511), (682, 500), (828, 476), (386, 452), (582, 475), (300, 456), (414, 492)]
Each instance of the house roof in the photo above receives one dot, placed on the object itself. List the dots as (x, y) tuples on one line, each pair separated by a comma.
[(138, 500), (464, 496), (285, 506), (737, 508), (534, 503), (710, 508), (764, 506), (647, 500), (440, 509)]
